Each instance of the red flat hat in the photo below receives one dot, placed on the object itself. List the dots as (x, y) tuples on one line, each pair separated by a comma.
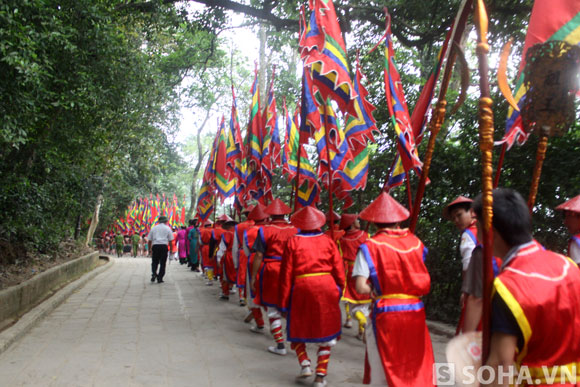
[(278, 207), (571, 205), (346, 220), (458, 200), (224, 218), (384, 209), (258, 213), (308, 218), (336, 216)]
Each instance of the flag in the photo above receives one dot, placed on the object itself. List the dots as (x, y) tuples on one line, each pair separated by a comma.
[(308, 194), (360, 126), (271, 145), (324, 54), (420, 111), (225, 186), (290, 155), (254, 134), (550, 20), (309, 113), (338, 149), (398, 108)]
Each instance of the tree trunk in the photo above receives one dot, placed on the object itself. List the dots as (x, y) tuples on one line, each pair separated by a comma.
[(262, 64), (200, 156), (95, 220)]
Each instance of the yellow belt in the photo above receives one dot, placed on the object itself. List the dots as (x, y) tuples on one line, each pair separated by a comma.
[(397, 295), (311, 275)]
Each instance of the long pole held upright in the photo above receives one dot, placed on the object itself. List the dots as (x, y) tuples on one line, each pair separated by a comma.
[(439, 111), (486, 146), (327, 139)]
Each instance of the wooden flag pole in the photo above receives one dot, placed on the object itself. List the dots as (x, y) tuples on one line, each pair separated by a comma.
[(540, 157), (438, 114), (327, 139), (486, 146)]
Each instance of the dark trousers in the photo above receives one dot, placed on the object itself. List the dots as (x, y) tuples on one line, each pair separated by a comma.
[(159, 258)]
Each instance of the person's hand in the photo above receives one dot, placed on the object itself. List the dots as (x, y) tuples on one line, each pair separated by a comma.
[(462, 300), (284, 314), (252, 284)]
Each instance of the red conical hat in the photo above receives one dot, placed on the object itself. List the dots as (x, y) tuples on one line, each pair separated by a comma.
[(258, 213), (248, 209), (336, 216), (458, 200), (224, 218), (346, 220), (571, 205), (207, 223), (308, 218), (384, 209), (278, 207)]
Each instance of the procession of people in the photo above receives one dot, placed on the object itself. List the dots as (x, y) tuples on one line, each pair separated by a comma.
[(282, 265)]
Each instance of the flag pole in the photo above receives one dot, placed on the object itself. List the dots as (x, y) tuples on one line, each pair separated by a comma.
[(439, 113), (297, 182), (486, 145), (540, 157), (327, 139)]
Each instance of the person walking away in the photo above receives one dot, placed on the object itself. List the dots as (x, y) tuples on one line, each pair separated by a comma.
[(173, 251), (535, 307), (398, 348), (135, 244), (356, 305), (119, 244), (194, 242), (181, 244), (311, 281), (268, 248), (159, 237)]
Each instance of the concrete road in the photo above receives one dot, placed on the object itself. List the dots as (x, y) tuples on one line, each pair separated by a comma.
[(122, 330)]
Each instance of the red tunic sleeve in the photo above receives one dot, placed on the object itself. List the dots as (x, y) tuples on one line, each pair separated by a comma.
[(286, 276)]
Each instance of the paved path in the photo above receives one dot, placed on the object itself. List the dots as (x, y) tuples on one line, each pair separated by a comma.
[(122, 330)]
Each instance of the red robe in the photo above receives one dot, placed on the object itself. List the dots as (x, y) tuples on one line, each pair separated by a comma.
[(274, 237), (205, 236), (216, 237), (227, 261), (349, 244), (542, 290), (250, 236), (338, 233), (242, 270), (399, 277), (311, 280)]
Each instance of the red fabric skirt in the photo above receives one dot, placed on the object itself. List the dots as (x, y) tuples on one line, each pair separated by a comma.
[(228, 268), (350, 294), (205, 262), (314, 315), (404, 344), (267, 282)]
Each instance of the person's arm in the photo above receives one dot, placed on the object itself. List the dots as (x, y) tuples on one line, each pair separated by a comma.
[(361, 273), (150, 246), (258, 258), (501, 354), (236, 249), (473, 313)]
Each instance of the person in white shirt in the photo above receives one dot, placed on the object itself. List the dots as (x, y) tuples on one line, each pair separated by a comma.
[(159, 238)]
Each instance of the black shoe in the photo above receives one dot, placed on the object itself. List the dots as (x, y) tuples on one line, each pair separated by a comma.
[(153, 277), (160, 281), (224, 298)]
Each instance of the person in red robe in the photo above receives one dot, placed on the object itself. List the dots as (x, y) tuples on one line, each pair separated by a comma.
[(398, 348), (205, 236), (311, 281), (225, 259), (260, 217), (216, 237), (535, 307), (336, 230), (268, 249), (356, 305), (571, 210), (239, 256)]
